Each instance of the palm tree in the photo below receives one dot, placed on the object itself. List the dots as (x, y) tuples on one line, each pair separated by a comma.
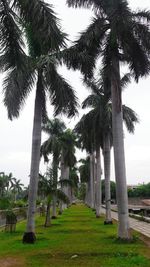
[(49, 188), (6, 182), (74, 180), (118, 35), (43, 35), (90, 141), (68, 159), (101, 115), (84, 170), (54, 128), (16, 187)]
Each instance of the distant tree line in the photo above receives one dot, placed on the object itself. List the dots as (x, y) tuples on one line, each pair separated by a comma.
[(141, 191)]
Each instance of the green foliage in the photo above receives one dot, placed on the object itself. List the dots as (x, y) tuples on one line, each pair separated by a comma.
[(11, 217), (81, 191), (140, 191), (20, 203), (84, 170), (48, 187), (5, 203)]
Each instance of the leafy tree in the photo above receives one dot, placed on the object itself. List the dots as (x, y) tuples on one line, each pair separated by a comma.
[(140, 191)]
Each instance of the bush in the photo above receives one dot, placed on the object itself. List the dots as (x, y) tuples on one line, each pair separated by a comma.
[(20, 204), (5, 203), (11, 217)]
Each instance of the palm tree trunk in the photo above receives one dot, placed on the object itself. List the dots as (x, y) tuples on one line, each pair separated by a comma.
[(62, 177), (119, 156), (98, 183), (86, 194), (94, 177), (29, 235), (91, 183), (48, 216), (65, 188), (55, 174), (106, 153), (68, 189), (54, 204)]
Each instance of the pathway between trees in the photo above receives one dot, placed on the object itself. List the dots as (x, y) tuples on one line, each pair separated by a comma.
[(139, 226), (76, 238)]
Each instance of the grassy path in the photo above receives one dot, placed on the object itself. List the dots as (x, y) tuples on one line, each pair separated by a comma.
[(76, 233)]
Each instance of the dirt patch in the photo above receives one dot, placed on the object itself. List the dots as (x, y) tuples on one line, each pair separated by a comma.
[(11, 262)]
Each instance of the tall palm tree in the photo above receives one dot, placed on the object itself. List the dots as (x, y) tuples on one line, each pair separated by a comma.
[(54, 128), (118, 35), (68, 160), (101, 115), (90, 141), (43, 35), (16, 187), (84, 170)]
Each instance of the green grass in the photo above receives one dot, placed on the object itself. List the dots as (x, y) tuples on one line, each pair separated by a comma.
[(76, 232)]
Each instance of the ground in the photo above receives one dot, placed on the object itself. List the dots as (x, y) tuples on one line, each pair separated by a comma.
[(76, 238)]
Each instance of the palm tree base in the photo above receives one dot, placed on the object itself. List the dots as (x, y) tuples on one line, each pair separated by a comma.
[(54, 217), (60, 212), (108, 222), (29, 238), (47, 225)]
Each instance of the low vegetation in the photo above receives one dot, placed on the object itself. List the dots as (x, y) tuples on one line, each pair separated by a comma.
[(76, 238)]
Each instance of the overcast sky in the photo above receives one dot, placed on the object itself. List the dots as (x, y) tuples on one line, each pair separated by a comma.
[(15, 136)]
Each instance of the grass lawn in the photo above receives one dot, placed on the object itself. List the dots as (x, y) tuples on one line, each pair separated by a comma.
[(76, 232)]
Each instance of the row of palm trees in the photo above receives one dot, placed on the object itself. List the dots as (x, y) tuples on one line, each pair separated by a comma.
[(116, 35), (61, 145), (9, 186), (95, 133)]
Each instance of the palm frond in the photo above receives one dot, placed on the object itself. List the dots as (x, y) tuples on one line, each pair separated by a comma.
[(46, 149), (142, 33), (11, 42), (134, 52), (43, 21), (125, 80), (142, 15), (16, 87), (77, 59), (86, 3), (62, 196), (91, 39), (90, 102), (130, 118), (61, 94), (54, 127)]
